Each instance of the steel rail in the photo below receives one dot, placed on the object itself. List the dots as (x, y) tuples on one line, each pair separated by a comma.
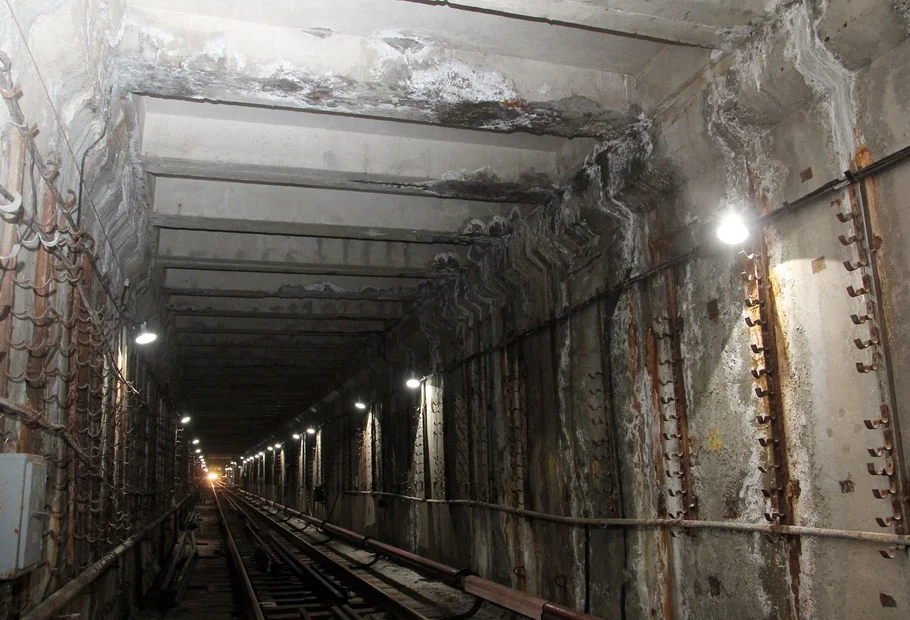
[(462, 579), (337, 600), (370, 591), (51, 606), (249, 593)]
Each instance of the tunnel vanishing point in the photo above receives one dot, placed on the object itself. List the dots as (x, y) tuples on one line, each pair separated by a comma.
[(454, 308)]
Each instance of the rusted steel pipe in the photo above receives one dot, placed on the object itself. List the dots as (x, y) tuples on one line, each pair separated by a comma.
[(552, 611), (504, 596), (754, 528), (444, 573), (52, 605), (334, 530)]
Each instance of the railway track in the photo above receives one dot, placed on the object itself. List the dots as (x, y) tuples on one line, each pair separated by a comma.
[(286, 571)]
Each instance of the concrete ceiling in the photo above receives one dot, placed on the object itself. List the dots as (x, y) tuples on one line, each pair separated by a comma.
[(316, 168)]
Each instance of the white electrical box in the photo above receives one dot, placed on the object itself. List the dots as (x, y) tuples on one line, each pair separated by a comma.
[(22, 514)]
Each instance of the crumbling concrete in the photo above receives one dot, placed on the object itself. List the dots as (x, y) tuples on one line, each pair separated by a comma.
[(524, 218), (745, 134)]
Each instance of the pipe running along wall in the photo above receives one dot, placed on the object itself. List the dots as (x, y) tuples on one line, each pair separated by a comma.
[(511, 599)]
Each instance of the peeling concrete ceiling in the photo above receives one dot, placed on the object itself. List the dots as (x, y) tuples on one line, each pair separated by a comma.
[(314, 167)]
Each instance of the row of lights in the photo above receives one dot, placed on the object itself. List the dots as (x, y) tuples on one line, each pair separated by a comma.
[(732, 230), (413, 383)]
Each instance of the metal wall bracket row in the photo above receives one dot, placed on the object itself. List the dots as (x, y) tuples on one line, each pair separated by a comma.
[(760, 321), (864, 246)]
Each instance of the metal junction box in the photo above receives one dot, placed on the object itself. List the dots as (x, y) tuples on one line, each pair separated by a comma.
[(22, 514)]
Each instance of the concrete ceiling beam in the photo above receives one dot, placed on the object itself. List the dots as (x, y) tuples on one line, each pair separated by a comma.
[(290, 377), (291, 342), (702, 23), (283, 254), (242, 143), (197, 366), (313, 308), (191, 323), (296, 286), (363, 58), (247, 332), (190, 357), (205, 204)]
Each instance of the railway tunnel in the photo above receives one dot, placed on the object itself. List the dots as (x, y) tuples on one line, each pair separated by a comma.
[(449, 309)]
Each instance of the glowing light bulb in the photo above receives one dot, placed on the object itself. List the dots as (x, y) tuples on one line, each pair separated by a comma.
[(311, 431), (360, 405), (732, 230), (145, 336)]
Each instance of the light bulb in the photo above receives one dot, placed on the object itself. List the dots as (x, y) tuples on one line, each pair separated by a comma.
[(360, 405), (296, 435), (311, 431), (185, 419), (732, 230), (145, 336), (413, 383)]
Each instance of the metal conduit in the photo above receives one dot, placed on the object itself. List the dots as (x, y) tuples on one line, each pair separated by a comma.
[(755, 528), (52, 605)]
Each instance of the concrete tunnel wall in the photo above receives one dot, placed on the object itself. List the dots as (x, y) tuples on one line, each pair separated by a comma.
[(74, 388), (569, 418)]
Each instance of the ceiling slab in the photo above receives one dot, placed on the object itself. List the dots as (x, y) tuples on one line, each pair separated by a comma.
[(192, 281), (278, 146), (313, 308), (317, 168), (273, 342), (203, 204), (382, 59), (702, 23), (284, 254)]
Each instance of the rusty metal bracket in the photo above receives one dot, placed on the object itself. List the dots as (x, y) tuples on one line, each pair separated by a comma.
[(759, 302), (868, 243), (673, 424)]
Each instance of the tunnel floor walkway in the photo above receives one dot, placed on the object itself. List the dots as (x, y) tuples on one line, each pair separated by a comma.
[(209, 595)]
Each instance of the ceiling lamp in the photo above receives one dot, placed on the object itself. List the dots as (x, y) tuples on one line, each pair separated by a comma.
[(145, 336), (185, 419), (311, 431), (296, 435), (195, 442), (360, 404), (413, 383), (732, 230)]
